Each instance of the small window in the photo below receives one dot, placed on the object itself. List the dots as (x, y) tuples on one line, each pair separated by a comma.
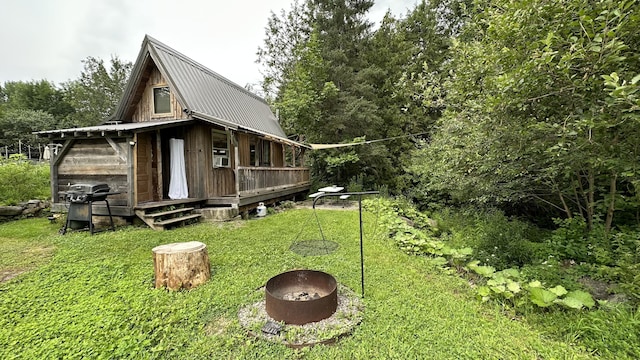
[(265, 156), (252, 153), (161, 100), (220, 149)]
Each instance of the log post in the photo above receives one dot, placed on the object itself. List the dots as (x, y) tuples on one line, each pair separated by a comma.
[(181, 265)]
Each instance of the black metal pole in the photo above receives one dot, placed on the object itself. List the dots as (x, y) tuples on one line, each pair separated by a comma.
[(361, 232)]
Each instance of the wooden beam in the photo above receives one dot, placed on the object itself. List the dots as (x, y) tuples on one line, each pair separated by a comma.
[(131, 172), (122, 154), (158, 155), (63, 151), (236, 165)]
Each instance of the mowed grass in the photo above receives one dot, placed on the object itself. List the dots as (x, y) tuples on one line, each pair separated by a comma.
[(94, 298), (23, 248)]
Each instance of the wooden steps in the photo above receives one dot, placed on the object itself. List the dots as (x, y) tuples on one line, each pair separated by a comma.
[(162, 216), (170, 212), (177, 220)]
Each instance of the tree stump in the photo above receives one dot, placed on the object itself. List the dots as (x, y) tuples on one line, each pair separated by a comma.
[(181, 265)]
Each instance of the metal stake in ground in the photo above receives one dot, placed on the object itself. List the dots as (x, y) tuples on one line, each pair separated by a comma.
[(360, 212)]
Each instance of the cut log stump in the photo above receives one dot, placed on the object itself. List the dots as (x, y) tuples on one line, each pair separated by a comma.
[(181, 265)]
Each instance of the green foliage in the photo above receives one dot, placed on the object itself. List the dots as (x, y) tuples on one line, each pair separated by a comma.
[(334, 79), (611, 256), (412, 231), (528, 118), (499, 241), (508, 286), (609, 332), (26, 107), (285, 34), (96, 93), (21, 180), (542, 297), (95, 299), (19, 124), (40, 96), (569, 241)]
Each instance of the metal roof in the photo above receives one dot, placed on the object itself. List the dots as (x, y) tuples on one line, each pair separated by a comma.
[(116, 127), (149, 125), (204, 93)]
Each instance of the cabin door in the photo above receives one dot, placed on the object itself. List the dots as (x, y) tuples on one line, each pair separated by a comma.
[(147, 168)]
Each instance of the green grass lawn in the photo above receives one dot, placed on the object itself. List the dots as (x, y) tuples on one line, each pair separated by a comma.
[(93, 297)]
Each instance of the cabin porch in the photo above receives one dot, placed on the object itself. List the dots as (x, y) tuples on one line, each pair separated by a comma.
[(255, 185)]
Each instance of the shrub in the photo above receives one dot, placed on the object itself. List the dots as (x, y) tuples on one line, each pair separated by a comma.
[(21, 180), (499, 241), (595, 331)]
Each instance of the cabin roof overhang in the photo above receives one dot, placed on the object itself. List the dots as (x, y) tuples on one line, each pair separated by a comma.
[(232, 126), (111, 128), (122, 129)]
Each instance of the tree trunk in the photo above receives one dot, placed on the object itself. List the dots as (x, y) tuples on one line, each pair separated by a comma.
[(612, 203), (564, 205), (181, 265)]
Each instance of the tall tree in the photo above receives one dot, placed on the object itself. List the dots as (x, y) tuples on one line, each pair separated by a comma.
[(529, 118), (285, 34), (338, 80), (34, 95), (347, 106), (96, 93), (18, 125), (409, 53)]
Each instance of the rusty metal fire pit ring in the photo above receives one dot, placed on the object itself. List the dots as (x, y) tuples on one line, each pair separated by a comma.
[(301, 296)]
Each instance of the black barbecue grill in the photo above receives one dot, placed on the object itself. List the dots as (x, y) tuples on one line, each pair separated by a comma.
[(81, 198)]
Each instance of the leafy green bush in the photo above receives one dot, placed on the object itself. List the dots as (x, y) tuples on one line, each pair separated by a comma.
[(610, 332), (498, 240), (508, 286), (595, 330), (613, 257), (550, 272), (21, 180)]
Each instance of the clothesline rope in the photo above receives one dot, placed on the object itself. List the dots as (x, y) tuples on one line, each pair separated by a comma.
[(333, 146)]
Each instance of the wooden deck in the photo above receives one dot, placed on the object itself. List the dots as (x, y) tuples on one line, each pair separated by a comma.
[(254, 179), (257, 184)]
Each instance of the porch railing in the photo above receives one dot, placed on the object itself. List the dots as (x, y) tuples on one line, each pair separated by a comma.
[(257, 178)]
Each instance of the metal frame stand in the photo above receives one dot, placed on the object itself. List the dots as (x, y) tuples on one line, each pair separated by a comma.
[(359, 194), (89, 218)]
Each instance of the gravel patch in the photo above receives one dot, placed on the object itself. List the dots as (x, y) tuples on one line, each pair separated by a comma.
[(347, 316)]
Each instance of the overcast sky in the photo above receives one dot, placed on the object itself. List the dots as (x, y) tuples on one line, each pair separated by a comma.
[(47, 39)]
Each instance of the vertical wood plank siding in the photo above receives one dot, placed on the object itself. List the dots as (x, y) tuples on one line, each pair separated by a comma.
[(144, 173), (203, 180), (243, 147), (144, 109), (277, 154)]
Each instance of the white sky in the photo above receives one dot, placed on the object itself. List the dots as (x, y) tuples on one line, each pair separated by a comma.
[(47, 39)]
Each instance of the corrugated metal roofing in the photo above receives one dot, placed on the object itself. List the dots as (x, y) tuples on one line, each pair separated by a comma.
[(206, 92), (203, 93), (116, 127)]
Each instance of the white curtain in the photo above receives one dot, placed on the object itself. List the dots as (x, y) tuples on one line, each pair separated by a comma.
[(178, 183)]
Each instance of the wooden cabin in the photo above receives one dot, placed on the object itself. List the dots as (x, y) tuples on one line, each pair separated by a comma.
[(235, 154)]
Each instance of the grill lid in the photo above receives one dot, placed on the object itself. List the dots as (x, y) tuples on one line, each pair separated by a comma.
[(89, 188)]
